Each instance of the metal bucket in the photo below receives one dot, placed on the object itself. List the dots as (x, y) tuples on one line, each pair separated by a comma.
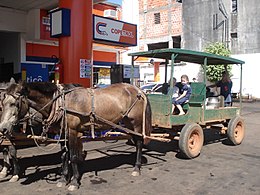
[(213, 102)]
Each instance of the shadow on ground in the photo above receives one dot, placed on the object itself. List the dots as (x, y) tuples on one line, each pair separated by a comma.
[(113, 158)]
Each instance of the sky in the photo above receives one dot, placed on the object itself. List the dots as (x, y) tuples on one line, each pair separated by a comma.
[(115, 1)]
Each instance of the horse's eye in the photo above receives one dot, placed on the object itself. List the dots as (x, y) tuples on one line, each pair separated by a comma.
[(12, 104)]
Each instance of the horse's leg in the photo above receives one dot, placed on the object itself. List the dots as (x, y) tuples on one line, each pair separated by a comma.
[(6, 166), (13, 154), (75, 151), (138, 163), (65, 178), (138, 143)]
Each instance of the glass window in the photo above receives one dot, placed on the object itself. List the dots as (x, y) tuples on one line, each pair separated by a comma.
[(234, 6), (157, 18)]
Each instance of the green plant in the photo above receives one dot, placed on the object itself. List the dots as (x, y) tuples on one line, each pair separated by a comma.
[(214, 73)]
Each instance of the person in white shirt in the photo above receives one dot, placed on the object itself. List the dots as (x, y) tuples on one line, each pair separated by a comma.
[(175, 90)]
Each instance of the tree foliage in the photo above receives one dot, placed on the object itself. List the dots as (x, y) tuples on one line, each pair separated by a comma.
[(214, 72)]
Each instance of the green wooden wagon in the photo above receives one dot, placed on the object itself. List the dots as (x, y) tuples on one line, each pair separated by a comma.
[(188, 128)]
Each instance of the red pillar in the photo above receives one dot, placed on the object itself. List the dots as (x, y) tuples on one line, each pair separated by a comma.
[(79, 44)]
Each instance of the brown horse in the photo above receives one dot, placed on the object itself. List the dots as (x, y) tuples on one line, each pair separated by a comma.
[(82, 110)]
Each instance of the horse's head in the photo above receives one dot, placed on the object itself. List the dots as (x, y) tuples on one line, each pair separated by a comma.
[(14, 106)]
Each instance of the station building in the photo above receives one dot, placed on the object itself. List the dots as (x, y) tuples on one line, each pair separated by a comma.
[(31, 51)]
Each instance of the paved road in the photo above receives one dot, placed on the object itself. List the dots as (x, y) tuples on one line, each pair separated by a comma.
[(220, 169)]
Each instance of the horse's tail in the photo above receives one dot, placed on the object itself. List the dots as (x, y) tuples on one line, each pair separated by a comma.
[(147, 119)]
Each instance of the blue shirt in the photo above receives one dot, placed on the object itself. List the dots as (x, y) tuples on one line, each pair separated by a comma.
[(225, 88), (186, 87)]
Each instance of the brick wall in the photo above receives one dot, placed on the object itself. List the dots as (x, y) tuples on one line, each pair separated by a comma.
[(170, 20), (176, 15)]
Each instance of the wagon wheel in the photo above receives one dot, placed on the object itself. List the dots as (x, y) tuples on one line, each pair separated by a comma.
[(236, 130), (191, 140)]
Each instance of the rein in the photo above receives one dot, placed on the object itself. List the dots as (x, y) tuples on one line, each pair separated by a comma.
[(62, 93), (53, 116)]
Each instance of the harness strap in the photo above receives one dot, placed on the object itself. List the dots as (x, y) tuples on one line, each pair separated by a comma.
[(58, 102), (118, 126), (133, 104), (56, 113), (92, 114)]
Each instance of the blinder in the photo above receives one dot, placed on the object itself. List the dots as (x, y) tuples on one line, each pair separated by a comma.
[(19, 100), (2, 97)]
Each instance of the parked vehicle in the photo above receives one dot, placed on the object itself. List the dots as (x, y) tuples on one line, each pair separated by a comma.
[(152, 88), (147, 88)]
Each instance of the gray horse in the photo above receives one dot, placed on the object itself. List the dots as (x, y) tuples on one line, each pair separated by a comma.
[(9, 150)]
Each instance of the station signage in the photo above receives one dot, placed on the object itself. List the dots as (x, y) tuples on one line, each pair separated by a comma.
[(60, 22), (128, 72), (35, 72), (114, 31)]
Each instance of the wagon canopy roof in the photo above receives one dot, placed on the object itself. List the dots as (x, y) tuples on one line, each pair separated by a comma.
[(188, 56)]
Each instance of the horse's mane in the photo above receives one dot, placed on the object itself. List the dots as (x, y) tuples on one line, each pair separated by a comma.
[(11, 88), (47, 87), (42, 87), (71, 85)]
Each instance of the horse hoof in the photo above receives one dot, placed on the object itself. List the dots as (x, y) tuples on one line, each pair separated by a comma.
[(136, 173), (59, 184), (72, 188), (15, 178), (3, 172), (3, 175)]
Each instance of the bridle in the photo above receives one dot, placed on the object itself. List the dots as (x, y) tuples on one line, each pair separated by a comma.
[(19, 102)]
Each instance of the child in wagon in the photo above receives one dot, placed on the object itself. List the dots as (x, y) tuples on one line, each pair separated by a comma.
[(184, 96), (175, 89)]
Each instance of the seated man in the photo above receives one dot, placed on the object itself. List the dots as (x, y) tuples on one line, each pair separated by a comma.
[(185, 93)]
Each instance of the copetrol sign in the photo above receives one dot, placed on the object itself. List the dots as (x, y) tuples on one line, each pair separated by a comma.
[(115, 31)]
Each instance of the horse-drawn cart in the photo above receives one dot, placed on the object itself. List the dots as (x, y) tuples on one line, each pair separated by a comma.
[(188, 128), (76, 114)]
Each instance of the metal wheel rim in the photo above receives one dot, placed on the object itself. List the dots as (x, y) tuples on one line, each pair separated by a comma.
[(194, 142), (239, 132)]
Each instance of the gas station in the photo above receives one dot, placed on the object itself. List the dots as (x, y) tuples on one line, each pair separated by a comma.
[(63, 40)]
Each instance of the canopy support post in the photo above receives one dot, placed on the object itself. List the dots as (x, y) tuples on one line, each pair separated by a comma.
[(132, 71), (240, 90)]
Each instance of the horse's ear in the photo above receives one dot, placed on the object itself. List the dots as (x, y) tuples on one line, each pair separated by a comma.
[(23, 88), (12, 81)]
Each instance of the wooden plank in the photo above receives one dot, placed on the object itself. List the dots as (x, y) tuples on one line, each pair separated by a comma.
[(121, 137)]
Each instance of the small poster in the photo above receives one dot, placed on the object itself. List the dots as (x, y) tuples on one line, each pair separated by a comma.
[(85, 68), (128, 71)]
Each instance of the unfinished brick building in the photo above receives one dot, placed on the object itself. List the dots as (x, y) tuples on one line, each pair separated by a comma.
[(160, 24)]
